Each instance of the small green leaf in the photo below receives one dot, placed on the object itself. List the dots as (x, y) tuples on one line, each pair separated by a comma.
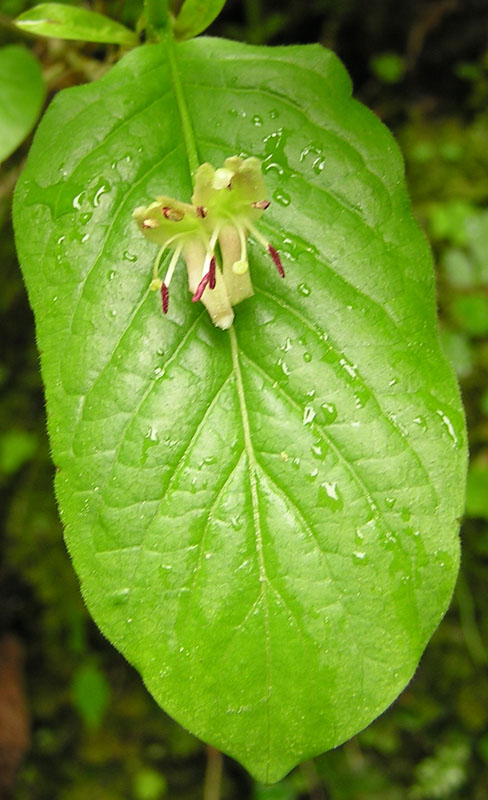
[(21, 96), (195, 16), (264, 520), (67, 22)]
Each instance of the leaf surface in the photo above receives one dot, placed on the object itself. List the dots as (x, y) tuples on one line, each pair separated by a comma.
[(264, 521), (21, 96), (67, 22)]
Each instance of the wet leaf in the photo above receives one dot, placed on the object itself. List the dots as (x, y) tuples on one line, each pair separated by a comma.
[(264, 521)]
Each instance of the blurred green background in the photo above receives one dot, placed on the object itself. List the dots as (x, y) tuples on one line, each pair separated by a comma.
[(95, 732)]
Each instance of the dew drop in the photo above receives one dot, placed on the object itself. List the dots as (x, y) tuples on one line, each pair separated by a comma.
[(120, 597), (317, 450), (318, 165), (308, 415), (111, 275), (257, 120), (307, 357), (361, 397), (448, 426), (284, 366), (103, 189), (128, 256), (272, 165), (150, 440), (312, 475), (328, 413), (78, 200), (282, 198), (329, 496), (420, 421), (303, 289), (273, 114)]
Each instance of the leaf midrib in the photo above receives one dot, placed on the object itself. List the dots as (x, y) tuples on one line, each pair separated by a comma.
[(193, 163)]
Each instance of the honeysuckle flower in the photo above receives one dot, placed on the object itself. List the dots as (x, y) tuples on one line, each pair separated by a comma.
[(226, 203), (179, 227)]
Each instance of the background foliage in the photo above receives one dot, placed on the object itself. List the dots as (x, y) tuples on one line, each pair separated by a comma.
[(95, 730)]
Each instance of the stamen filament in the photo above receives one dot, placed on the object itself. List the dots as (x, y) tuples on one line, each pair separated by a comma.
[(242, 238), (258, 236), (157, 262), (210, 252), (172, 264)]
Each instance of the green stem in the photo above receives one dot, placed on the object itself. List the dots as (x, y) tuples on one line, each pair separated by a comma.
[(213, 775), (188, 135), (157, 17)]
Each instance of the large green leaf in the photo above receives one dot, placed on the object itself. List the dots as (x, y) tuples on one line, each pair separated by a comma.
[(21, 96), (264, 521)]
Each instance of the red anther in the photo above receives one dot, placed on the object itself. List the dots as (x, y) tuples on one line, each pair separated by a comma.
[(212, 276), (164, 297), (173, 214), (274, 255), (201, 211), (261, 204), (201, 288)]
